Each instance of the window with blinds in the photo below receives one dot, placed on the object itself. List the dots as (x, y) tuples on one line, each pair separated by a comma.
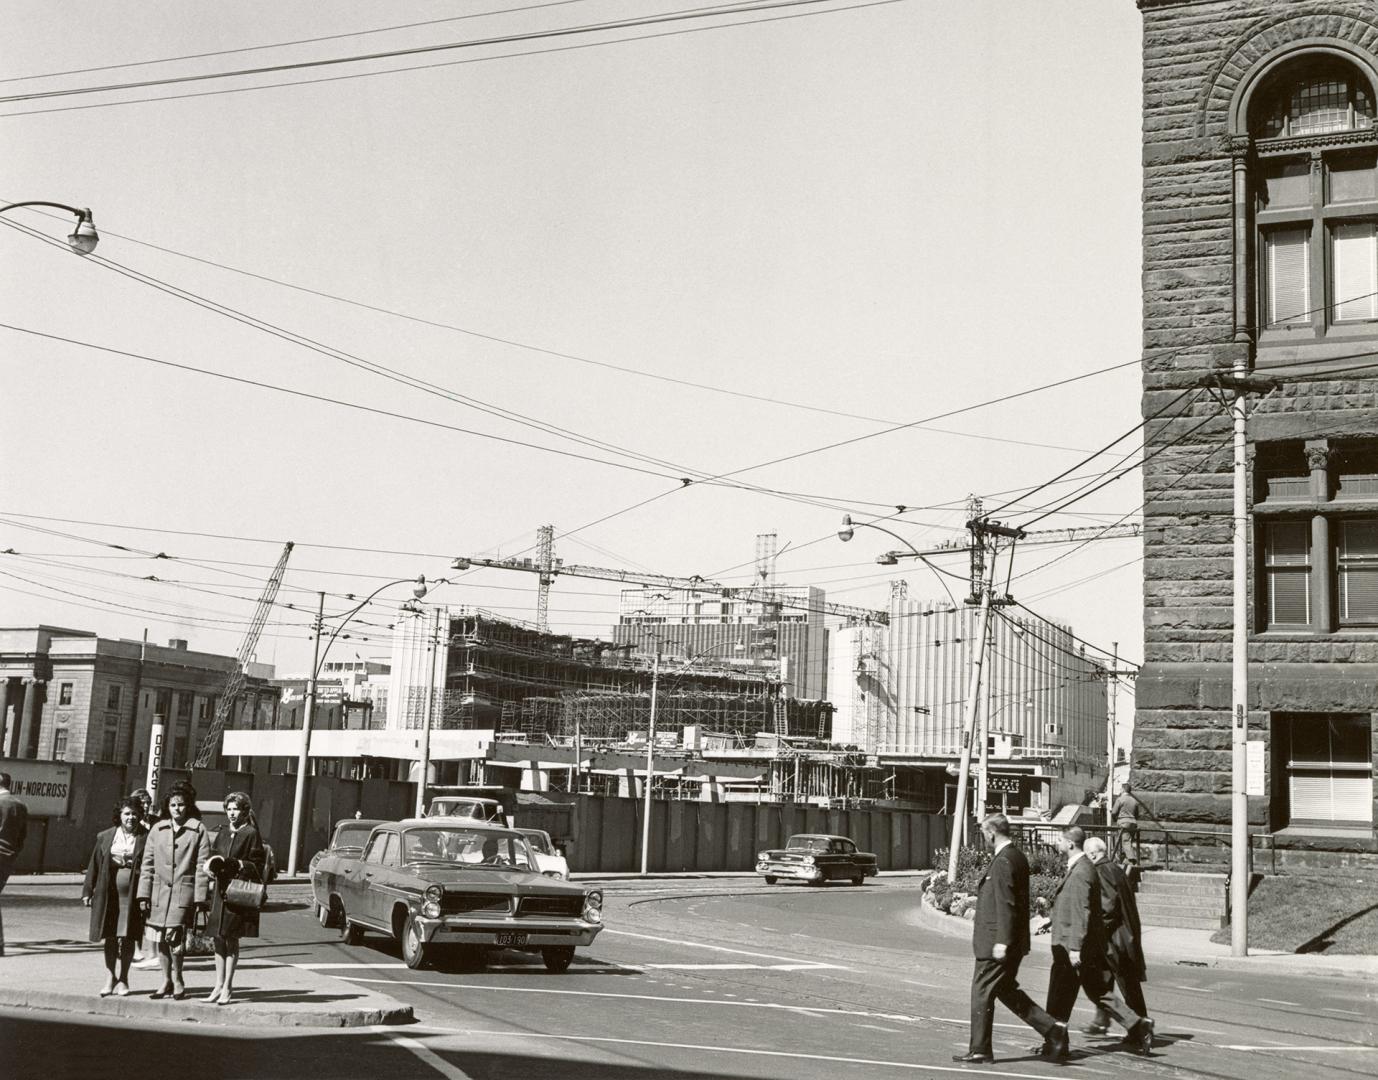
[(1287, 567), (1354, 252), (1288, 256), (1330, 770), (1357, 561)]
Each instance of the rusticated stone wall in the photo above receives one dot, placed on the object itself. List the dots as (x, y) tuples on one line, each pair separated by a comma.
[(1196, 57)]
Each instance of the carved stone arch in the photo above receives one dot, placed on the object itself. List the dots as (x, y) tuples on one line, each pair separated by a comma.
[(1349, 31)]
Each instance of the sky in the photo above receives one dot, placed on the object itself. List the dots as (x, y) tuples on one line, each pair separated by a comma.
[(697, 246)]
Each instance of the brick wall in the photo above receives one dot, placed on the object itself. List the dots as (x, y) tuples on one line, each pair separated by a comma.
[(1196, 56)]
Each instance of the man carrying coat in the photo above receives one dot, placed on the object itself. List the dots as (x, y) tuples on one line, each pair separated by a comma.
[(1124, 951), (1079, 949), (1000, 940)]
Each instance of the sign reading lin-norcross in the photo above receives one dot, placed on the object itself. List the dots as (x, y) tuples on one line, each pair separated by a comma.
[(45, 786)]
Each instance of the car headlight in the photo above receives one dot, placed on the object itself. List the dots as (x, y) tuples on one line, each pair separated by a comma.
[(431, 909), (434, 894), (762, 856), (807, 860), (593, 907)]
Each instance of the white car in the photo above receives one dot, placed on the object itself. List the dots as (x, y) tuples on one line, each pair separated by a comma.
[(549, 861)]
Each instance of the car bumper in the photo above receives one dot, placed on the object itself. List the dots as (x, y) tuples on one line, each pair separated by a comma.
[(458, 930), (792, 870)]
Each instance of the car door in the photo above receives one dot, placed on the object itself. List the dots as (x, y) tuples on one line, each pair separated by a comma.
[(364, 897), (848, 864)]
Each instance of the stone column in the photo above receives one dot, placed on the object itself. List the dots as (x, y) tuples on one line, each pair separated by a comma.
[(4, 714), (1322, 607), (1240, 148), (28, 724), (20, 691)]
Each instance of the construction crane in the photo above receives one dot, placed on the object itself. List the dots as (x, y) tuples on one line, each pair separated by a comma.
[(545, 557), (234, 681), (750, 594)]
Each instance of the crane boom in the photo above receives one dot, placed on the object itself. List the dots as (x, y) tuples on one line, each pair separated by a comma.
[(234, 681), (633, 577)]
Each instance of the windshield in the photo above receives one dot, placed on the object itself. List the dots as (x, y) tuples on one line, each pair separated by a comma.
[(470, 808), (539, 840), (352, 835), (808, 843), (470, 847)]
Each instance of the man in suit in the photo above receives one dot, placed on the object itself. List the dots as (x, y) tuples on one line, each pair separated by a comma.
[(1124, 951), (1000, 941), (14, 826), (1079, 949)]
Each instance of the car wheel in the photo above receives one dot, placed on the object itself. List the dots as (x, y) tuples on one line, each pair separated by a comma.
[(414, 950), (817, 881), (557, 958), (324, 916), (350, 933), (858, 881), (771, 879)]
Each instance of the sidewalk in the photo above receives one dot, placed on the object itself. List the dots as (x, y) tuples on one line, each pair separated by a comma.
[(46, 966), (1195, 948)]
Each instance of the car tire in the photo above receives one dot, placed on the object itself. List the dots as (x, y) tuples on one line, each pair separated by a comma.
[(771, 879), (817, 882), (415, 952), (858, 881), (325, 916), (557, 958), (351, 933)]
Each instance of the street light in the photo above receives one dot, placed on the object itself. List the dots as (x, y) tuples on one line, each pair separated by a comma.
[(419, 589), (83, 238), (651, 740)]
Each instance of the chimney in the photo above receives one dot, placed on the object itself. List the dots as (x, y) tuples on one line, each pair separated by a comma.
[(177, 643)]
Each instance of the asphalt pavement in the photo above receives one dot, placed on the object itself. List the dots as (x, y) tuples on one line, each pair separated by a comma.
[(714, 977)]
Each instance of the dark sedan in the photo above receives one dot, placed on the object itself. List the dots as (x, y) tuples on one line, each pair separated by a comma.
[(815, 858), (347, 841), (433, 883)]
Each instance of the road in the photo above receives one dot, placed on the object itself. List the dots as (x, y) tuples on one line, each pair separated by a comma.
[(723, 978)]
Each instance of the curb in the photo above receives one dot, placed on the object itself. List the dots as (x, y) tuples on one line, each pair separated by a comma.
[(242, 1012)]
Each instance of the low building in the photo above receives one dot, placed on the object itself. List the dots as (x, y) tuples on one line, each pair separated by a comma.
[(70, 695)]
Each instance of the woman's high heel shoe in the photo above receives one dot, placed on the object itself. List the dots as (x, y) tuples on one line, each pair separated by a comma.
[(164, 991)]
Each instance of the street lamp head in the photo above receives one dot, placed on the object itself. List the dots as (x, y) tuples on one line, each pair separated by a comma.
[(846, 532), (84, 237), (887, 558), (419, 589)]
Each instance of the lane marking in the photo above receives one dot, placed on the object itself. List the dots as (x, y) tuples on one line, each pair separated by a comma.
[(930, 986), (793, 1055), (700, 945), (743, 967), (1192, 989), (1275, 1001), (1347, 1012), (429, 1056), (341, 967), (805, 1009), (1320, 1049), (1193, 1030)]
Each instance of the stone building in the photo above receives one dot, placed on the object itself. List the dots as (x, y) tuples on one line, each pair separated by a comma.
[(1260, 232), (70, 695)]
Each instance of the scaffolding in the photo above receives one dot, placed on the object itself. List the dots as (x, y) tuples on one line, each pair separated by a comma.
[(515, 679)]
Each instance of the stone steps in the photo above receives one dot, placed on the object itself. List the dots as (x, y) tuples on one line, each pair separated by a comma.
[(1186, 900)]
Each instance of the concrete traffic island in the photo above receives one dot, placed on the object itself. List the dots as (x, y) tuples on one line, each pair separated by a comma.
[(66, 976)]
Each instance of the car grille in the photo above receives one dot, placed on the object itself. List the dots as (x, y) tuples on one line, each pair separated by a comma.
[(551, 905), (457, 903)]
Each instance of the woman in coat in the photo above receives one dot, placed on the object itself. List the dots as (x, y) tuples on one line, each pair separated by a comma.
[(237, 853), (110, 891), (172, 887)]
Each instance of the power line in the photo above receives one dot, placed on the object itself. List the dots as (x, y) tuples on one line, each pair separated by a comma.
[(287, 44), (697, 13)]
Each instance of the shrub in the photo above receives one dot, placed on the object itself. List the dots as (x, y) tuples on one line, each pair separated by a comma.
[(1045, 873)]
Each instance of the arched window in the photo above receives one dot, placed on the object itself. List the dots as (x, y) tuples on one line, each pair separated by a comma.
[(1313, 97), (1315, 188)]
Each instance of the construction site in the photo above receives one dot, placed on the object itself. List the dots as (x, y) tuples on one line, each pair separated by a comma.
[(519, 681)]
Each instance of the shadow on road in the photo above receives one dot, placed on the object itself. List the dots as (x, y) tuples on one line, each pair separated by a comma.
[(62, 1048)]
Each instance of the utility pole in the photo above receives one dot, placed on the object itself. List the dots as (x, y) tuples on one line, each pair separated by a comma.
[(983, 765), (650, 766), (424, 772), (303, 756), (982, 590), (1240, 384), (1112, 687)]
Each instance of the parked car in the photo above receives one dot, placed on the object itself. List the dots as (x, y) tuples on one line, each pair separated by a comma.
[(214, 818), (550, 861), (467, 806), (815, 858), (434, 883), (348, 839)]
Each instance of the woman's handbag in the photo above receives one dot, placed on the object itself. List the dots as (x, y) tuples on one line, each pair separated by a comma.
[(197, 942), (245, 897)]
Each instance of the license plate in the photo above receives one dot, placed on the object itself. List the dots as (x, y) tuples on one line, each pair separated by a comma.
[(511, 939)]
